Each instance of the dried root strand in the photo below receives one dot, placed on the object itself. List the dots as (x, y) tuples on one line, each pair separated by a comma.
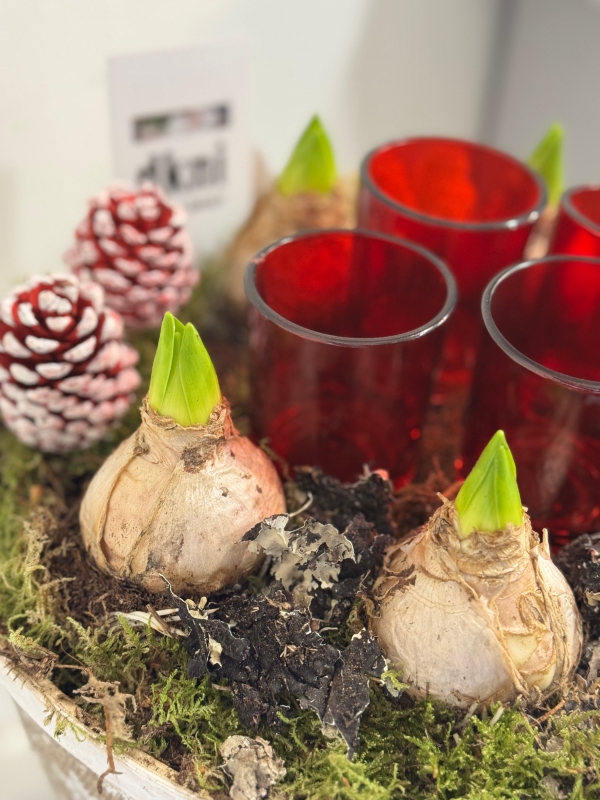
[(114, 705)]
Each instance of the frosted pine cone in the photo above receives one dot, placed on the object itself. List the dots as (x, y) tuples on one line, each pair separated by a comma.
[(133, 243), (65, 374)]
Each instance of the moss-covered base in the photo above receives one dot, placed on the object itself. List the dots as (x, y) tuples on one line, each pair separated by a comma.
[(57, 619)]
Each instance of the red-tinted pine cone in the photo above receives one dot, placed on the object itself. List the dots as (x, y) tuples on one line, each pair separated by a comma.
[(134, 244), (65, 374)]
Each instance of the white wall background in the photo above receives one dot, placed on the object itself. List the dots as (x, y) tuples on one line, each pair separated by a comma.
[(373, 69), (548, 70)]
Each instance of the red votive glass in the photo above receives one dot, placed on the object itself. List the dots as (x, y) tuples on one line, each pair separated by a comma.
[(538, 379), (471, 205), (577, 230), (345, 327)]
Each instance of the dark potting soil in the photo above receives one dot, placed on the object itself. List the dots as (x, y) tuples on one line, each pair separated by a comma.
[(579, 561), (89, 595), (338, 504), (271, 646)]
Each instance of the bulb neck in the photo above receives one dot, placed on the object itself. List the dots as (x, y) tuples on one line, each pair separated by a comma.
[(172, 439), (482, 555), (308, 210)]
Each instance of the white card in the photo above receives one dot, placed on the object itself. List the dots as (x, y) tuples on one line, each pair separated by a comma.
[(182, 120)]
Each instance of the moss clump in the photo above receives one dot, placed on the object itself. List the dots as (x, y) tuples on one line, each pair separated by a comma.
[(407, 750)]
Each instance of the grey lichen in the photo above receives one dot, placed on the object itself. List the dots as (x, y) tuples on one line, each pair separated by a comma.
[(252, 765)]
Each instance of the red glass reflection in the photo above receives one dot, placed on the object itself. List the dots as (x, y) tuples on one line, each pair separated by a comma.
[(577, 229), (344, 333), (538, 379), (471, 205)]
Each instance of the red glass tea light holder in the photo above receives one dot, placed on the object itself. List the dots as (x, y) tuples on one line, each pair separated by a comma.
[(345, 329), (471, 205), (577, 229), (538, 379)]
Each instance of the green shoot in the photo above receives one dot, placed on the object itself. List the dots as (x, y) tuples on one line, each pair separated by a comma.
[(311, 167), (184, 384), (489, 498), (547, 161)]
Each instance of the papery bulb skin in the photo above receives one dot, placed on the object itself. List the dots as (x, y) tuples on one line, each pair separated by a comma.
[(478, 619), (175, 501), (66, 375), (275, 216), (134, 243)]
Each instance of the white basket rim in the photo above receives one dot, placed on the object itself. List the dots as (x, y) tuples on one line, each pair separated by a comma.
[(141, 776)]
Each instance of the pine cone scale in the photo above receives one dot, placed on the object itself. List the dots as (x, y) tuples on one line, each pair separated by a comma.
[(131, 242), (65, 373)]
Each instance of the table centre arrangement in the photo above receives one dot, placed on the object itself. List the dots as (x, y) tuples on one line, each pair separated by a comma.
[(348, 547)]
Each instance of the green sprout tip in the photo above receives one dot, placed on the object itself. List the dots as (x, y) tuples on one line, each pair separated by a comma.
[(184, 384), (489, 498), (311, 167), (547, 161)]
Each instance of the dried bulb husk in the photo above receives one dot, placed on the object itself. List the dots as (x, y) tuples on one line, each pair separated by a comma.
[(479, 619), (176, 501), (541, 235), (275, 216)]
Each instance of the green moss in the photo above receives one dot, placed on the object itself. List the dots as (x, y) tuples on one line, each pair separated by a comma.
[(421, 751), (201, 716)]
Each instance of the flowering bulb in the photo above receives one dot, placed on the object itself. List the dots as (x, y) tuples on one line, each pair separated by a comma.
[(547, 161), (311, 167), (175, 499), (184, 384), (468, 617), (308, 195), (489, 499)]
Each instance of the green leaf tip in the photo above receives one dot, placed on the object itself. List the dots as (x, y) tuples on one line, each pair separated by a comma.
[(489, 498), (311, 167), (547, 161), (184, 384)]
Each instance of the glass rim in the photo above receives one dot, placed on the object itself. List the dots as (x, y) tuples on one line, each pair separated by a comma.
[(566, 202), (265, 309), (510, 223), (511, 351)]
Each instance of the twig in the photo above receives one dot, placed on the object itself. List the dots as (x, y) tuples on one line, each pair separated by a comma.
[(303, 507), (107, 720), (283, 464), (471, 710), (550, 713), (109, 751), (161, 623)]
